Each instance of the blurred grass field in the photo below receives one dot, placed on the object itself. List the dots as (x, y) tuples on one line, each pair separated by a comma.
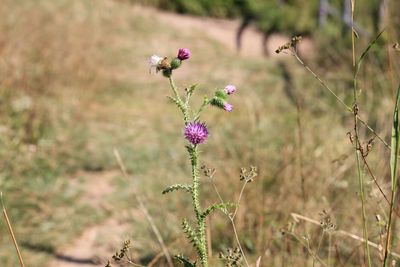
[(75, 85)]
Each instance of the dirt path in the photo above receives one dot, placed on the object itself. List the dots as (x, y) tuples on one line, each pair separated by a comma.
[(88, 250), (224, 31)]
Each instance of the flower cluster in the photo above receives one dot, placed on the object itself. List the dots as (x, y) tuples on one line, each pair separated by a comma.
[(220, 98), (166, 66), (195, 132)]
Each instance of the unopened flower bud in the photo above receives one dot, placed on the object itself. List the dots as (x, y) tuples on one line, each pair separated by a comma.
[(176, 63), (217, 102), (228, 107), (183, 54)]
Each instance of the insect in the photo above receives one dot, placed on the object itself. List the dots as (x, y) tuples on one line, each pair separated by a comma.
[(164, 64)]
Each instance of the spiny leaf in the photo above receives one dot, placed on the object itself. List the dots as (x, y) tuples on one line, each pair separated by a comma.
[(192, 154), (185, 261), (176, 187), (173, 99), (191, 235), (189, 92), (190, 148), (191, 89), (221, 206), (177, 102)]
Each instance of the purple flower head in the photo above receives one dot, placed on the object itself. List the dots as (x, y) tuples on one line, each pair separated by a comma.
[(230, 89), (228, 107), (196, 132), (183, 53)]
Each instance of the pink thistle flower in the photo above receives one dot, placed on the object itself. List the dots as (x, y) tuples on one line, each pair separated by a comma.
[(183, 54), (230, 89), (228, 107), (196, 132)]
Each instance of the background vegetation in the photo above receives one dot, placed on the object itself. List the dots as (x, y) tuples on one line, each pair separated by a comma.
[(74, 86)]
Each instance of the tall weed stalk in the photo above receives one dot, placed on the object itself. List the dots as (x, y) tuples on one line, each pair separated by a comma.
[(357, 146), (196, 133), (393, 174)]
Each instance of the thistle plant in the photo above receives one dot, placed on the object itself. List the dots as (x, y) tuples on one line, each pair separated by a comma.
[(196, 133)]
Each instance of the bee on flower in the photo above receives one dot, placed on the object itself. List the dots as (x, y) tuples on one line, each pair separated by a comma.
[(166, 66), (159, 63)]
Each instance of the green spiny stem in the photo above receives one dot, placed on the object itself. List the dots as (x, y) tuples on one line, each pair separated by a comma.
[(174, 89), (193, 153), (183, 106), (195, 179), (201, 226)]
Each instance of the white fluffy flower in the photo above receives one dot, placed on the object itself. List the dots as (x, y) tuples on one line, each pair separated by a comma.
[(154, 61)]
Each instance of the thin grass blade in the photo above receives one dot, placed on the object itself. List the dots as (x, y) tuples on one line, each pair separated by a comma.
[(395, 142), (366, 51)]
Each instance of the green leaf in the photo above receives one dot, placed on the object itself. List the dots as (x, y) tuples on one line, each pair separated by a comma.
[(176, 187), (190, 148), (185, 261), (191, 89), (177, 102), (369, 47), (366, 52), (189, 92), (220, 206), (395, 142), (191, 235)]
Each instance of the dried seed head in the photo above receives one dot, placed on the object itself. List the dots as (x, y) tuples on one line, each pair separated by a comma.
[(119, 255), (327, 222), (232, 257), (248, 175), (208, 172)]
